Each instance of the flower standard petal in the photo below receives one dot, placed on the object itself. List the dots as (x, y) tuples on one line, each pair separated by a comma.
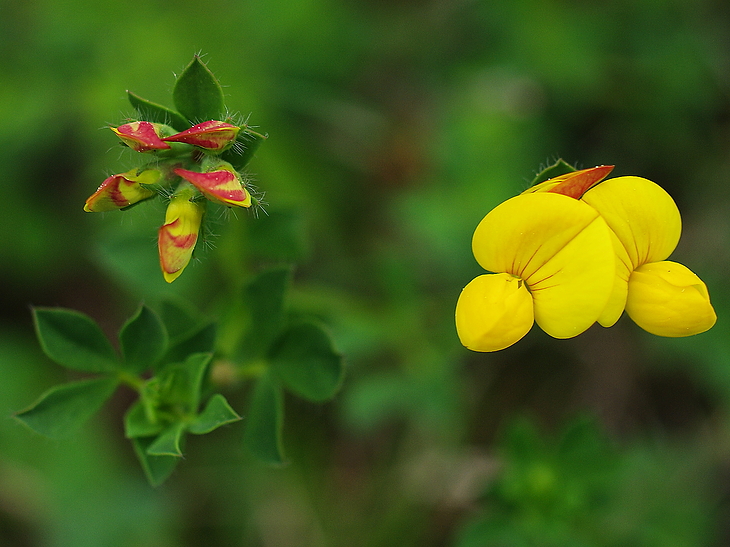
[(493, 312), (668, 299), (641, 213), (561, 248)]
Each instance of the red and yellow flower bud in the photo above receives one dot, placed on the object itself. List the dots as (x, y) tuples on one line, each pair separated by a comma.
[(222, 184), (142, 136), (212, 135), (119, 191), (177, 238)]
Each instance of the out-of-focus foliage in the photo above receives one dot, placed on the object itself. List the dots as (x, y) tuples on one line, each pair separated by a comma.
[(394, 127)]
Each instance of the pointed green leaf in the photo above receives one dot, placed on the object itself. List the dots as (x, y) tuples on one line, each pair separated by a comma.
[(156, 468), (137, 422), (143, 339), (180, 319), (265, 421), (74, 340), (217, 413), (305, 360), (247, 142), (197, 94), (169, 442), (264, 298), (558, 168), (180, 383), (153, 112), (201, 340), (64, 408)]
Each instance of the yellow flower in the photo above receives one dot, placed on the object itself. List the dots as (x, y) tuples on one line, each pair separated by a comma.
[(569, 252), (549, 252)]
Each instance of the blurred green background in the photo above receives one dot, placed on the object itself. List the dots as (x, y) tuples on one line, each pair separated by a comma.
[(394, 126)]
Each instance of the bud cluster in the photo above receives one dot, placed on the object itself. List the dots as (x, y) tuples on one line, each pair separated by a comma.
[(185, 167)]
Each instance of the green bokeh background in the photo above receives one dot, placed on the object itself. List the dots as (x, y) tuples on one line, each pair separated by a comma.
[(394, 127)]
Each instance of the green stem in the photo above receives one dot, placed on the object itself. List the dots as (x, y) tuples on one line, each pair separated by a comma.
[(131, 380)]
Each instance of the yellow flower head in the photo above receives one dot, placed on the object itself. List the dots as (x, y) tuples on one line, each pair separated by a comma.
[(570, 252)]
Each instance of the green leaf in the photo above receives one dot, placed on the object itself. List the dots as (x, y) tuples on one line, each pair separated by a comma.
[(197, 94), (217, 413), (264, 298), (64, 408), (153, 112), (180, 383), (247, 142), (180, 319), (201, 340), (74, 340), (265, 421), (305, 360), (156, 468), (558, 168), (169, 442), (143, 340), (137, 422)]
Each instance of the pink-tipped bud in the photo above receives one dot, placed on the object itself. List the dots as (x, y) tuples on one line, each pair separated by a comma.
[(141, 136), (224, 185), (212, 135), (122, 190), (176, 239)]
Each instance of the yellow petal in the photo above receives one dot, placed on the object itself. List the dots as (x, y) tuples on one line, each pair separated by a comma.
[(493, 312), (571, 289), (561, 248), (668, 299), (643, 216)]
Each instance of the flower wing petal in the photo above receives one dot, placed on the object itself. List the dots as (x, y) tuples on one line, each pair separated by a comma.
[(617, 301), (493, 312), (668, 299)]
